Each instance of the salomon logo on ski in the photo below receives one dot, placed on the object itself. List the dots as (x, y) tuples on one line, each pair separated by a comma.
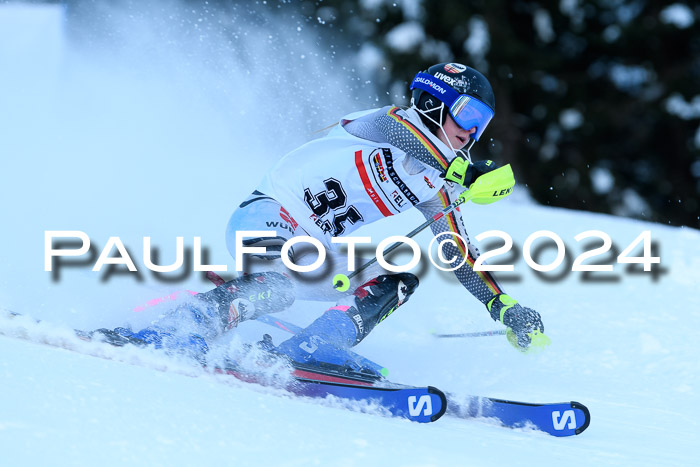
[(415, 405), (559, 420)]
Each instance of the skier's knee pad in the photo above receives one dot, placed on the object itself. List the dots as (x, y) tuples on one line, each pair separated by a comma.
[(250, 296), (376, 299)]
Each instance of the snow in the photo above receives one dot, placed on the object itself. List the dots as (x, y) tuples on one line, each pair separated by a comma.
[(679, 15), (602, 180), (677, 105), (542, 23), (370, 58), (695, 169), (632, 203), (570, 119), (612, 33), (629, 77), (411, 9), (569, 7), (405, 37), (478, 42), (627, 12), (574, 10), (133, 147)]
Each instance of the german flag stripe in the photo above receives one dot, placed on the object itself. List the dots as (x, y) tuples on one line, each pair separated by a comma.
[(464, 251), (420, 135), (371, 192), (452, 224)]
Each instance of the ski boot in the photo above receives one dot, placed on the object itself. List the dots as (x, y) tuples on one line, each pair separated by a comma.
[(248, 297), (192, 345), (326, 341)]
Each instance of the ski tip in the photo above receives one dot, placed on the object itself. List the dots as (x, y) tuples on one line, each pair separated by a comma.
[(586, 415), (443, 399)]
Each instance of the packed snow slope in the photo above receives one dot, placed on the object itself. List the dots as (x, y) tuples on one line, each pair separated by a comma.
[(160, 141)]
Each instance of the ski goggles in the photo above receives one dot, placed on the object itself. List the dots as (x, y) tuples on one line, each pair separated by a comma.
[(468, 112)]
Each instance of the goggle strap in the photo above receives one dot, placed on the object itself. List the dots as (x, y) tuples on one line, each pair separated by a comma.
[(436, 88)]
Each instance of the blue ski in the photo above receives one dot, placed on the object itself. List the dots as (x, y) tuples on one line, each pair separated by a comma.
[(557, 419), (418, 404)]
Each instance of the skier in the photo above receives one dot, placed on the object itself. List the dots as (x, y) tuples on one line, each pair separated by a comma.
[(371, 165)]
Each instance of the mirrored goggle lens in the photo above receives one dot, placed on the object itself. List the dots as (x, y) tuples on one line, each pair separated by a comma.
[(469, 112)]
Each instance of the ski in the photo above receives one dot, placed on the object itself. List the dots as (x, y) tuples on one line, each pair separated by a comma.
[(556, 419), (420, 404)]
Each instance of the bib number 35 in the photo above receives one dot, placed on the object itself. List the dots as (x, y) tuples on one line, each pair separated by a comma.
[(330, 207)]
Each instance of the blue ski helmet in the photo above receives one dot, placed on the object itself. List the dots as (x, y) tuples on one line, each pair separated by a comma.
[(466, 93)]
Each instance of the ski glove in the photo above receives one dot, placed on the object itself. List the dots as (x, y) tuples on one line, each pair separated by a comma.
[(525, 326), (465, 173)]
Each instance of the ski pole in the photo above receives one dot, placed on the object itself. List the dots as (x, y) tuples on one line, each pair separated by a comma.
[(495, 332), (488, 188), (342, 282)]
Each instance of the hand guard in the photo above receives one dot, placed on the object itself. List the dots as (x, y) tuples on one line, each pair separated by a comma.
[(465, 173), (524, 324)]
